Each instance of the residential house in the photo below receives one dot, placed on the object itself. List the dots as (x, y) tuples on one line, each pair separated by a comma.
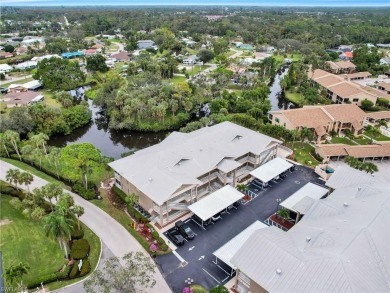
[(121, 56), (4, 55), (342, 91), (17, 99), (345, 48), (374, 117), (321, 120), (40, 58), (336, 152), (28, 86), (341, 67), (5, 68), (383, 46), (26, 65), (385, 61), (21, 51), (247, 47), (97, 46), (146, 44), (357, 75), (191, 60), (384, 86), (185, 167), (340, 245), (346, 56)]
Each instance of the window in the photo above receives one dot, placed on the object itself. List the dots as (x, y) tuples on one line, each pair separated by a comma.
[(277, 120), (355, 100)]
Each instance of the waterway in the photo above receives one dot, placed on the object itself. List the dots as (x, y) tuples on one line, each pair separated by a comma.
[(113, 143)]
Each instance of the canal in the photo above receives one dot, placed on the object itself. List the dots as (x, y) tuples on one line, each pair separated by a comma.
[(113, 143)]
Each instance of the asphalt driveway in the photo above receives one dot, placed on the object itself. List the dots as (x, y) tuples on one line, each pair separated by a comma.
[(198, 253)]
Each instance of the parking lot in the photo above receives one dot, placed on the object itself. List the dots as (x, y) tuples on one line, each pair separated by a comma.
[(197, 254)]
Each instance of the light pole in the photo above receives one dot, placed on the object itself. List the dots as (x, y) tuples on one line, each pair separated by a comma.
[(189, 281), (278, 201)]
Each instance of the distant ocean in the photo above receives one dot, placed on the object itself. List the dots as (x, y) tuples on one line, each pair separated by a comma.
[(309, 3)]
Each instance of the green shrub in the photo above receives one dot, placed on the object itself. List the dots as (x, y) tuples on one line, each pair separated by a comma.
[(6, 188), (80, 249), (119, 193), (77, 234), (88, 194), (160, 241), (164, 247), (155, 235), (33, 284), (64, 275), (74, 272), (85, 268), (219, 289), (150, 227)]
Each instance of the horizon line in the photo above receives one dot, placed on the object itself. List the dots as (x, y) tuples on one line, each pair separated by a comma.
[(186, 5)]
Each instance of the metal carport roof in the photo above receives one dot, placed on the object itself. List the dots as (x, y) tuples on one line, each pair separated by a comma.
[(229, 249), (215, 202), (302, 200), (271, 169)]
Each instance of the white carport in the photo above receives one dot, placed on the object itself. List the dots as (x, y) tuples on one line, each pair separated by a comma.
[(271, 169), (226, 252), (215, 202), (303, 199)]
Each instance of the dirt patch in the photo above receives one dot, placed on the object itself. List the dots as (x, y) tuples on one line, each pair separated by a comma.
[(5, 222)]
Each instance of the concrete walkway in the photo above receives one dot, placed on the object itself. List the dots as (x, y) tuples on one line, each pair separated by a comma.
[(114, 235)]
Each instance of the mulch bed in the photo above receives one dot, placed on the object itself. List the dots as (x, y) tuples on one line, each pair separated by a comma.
[(286, 224)]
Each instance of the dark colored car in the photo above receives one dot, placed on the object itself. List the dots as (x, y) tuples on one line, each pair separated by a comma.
[(176, 237), (184, 230), (199, 220), (3, 90)]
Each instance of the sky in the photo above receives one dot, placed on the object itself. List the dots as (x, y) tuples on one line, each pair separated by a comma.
[(309, 3)]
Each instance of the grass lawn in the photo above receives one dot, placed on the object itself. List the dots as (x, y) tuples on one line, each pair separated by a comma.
[(378, 137), (302, 153), (34, 171), (196, 69), (93, 258), (337, 139), (50, 100), (178, 79), (230, 53), (296, 98), (23, 240), (363, 140)]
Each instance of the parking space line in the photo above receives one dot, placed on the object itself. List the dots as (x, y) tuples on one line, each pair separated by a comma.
[(182, 260), (221, 268), (211, 276), (225, 278)]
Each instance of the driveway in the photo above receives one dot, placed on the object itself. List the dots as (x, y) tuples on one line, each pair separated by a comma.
[(114, 235), (198, 252), (237, 54)]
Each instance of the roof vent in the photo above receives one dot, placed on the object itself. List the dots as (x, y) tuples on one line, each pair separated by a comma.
[(345, 204), (359, 188), (150, 179), (279, 271), (308, 238), (201, 150)]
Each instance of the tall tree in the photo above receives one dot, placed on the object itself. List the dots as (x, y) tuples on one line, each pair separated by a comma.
[(4, 143), (131, 273), (26, 178), (55, 157), (12, 176), (78, 212), (96, 63), (13, 138), (59, 227)]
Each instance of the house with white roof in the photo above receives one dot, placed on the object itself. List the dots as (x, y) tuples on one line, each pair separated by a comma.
[(4, 68), (340, 245), (185, 167)]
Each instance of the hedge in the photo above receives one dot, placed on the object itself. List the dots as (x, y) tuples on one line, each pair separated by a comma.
[(155, 235), (160, 241), (77, 234), (49, 278), (74, 272), (119, 193), (6, 188), (80, 249), (87, 194), (137, 215), (164, 247), (85, 268)]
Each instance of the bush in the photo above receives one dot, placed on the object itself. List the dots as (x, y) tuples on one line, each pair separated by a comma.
[(74, 272), (85, 268), (77, 234), (49, 278), (155, 235), (219, 289), (160, 241), (151, 228), (87, 194), (6, 188), (119, 193), (164, 247), (80, 249)]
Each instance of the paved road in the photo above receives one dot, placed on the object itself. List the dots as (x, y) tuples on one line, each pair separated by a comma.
[(15, 79), (114, 235)]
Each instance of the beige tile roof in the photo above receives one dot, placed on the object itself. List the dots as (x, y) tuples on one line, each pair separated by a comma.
[(320, 130), (379, 115), (364, 74), (357, 151), (345, 89), (385, 85), (345, 112), (310, 117), (341, 64), (317, 74), (376, 92), (329, 80)]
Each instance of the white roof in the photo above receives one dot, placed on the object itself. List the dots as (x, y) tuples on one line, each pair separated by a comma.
[(33, 84), (226, 252), (215, 202), (304, 198), (5, 67), (271, 169), (341, 245), (181, 158), (26, 64), (345, 176)]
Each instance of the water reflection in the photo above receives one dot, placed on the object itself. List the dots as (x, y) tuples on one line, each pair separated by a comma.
[(277, 96)]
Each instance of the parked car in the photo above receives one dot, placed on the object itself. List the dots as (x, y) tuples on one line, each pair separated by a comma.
[(3, 90), (237, 203), (184, 230), (199, 220), (176, 237), (216, 217), (283, 175)]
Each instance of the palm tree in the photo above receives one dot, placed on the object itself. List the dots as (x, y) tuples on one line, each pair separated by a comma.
[(295, 135), (58, 226), (65, 204), (242, 188), (52, 191), (14, 139), (3, 143), (26, 178), (55, 156), (12, 176), (78, 211), (370, 167), (284, 214), (131, 199), (15, 272), (27, 151), (40, 140)]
